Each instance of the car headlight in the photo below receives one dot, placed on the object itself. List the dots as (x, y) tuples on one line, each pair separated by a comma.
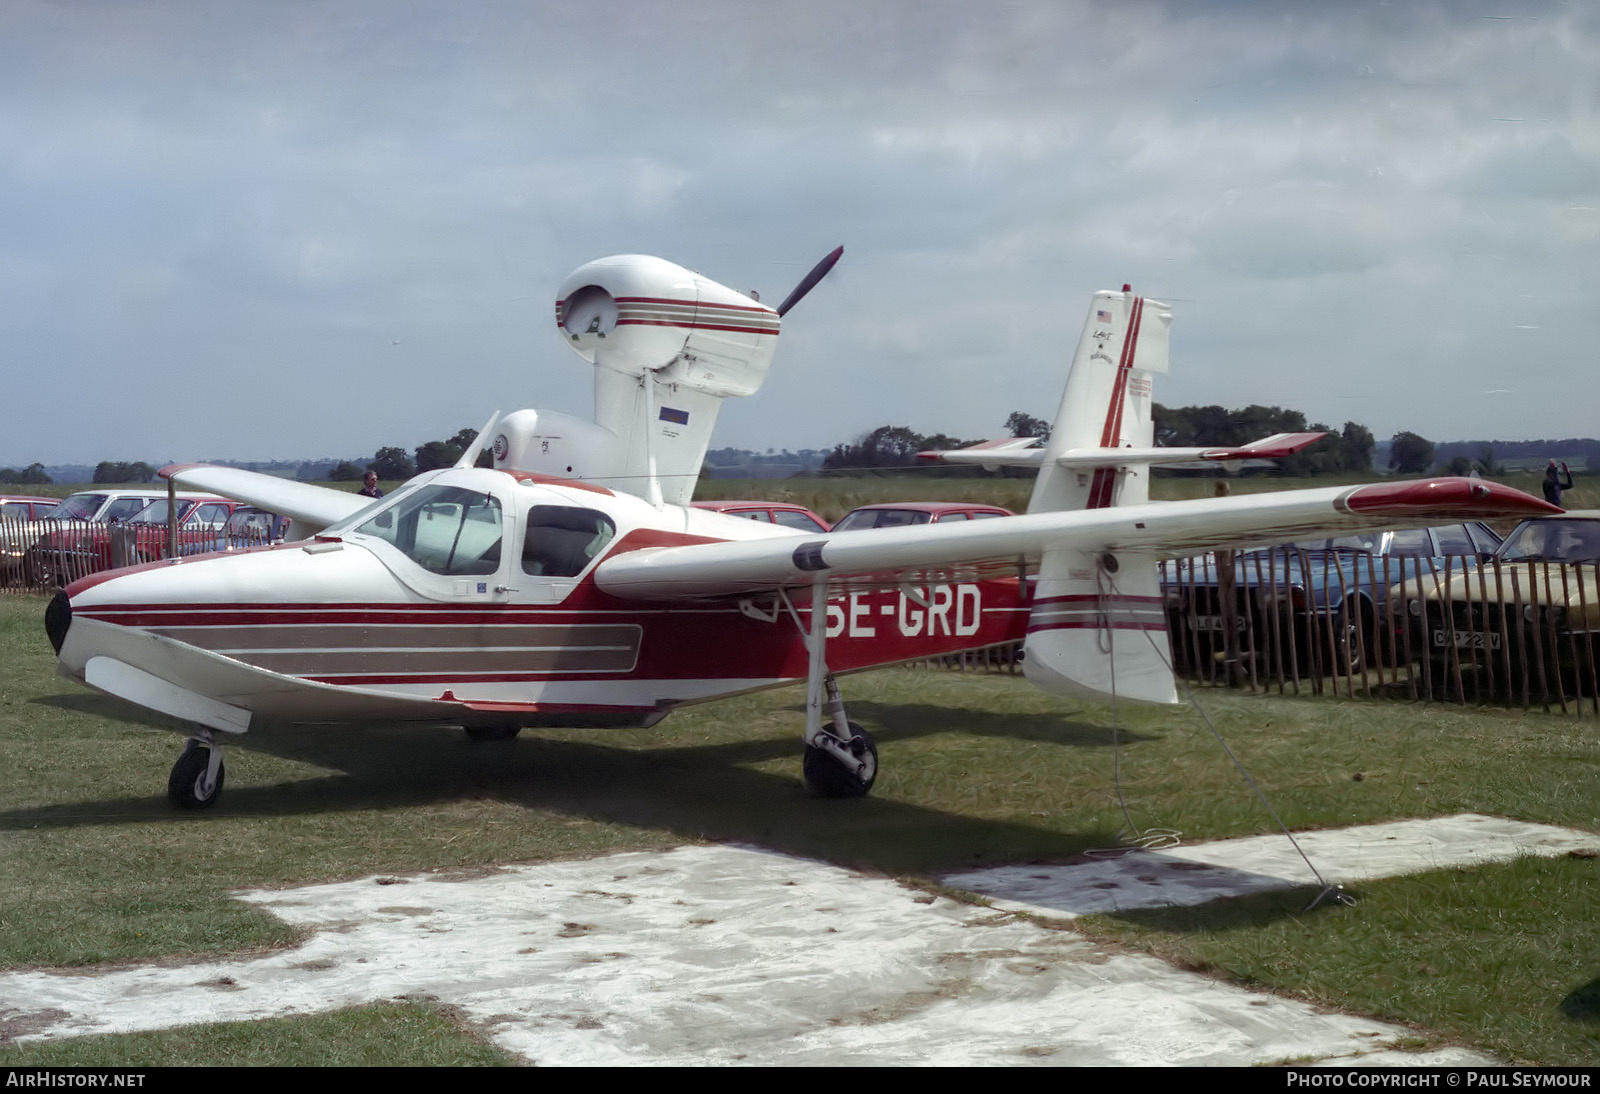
[(1414, 606), (1555, 614)]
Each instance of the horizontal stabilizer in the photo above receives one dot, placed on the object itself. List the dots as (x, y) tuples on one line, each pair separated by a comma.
[(1029, 452), (1000, 452)]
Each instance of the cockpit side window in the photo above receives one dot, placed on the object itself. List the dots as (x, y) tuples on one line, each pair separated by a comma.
[(562, 540), (443, 529)]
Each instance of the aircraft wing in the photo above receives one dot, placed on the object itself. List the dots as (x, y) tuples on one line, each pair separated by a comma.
[(312, 508), (969, 549)]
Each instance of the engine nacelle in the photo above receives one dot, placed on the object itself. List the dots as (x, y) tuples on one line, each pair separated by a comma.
[(552, 443), (633, 314)]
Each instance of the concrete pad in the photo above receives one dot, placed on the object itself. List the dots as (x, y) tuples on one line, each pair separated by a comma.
[(1255, 864), (714, 955)]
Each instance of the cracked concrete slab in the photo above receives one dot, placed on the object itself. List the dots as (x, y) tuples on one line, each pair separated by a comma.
[(708, 955)]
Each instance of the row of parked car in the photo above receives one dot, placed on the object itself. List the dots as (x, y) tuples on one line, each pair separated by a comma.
[(45, 541), (1479, 613)]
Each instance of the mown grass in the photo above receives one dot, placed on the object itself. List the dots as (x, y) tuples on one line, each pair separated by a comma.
[(418, 1034), (977, 769)]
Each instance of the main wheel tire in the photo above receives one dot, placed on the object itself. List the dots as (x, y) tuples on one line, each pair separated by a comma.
[(827, 778), (481, 734), (186, 784)]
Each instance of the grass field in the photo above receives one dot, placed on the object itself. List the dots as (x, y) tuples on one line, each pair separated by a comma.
[(977, 769)]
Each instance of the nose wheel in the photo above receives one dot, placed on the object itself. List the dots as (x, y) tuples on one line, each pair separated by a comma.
[(196, 779)]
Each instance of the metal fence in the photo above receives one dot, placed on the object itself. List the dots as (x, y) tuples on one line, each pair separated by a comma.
[(42, 555), (1457, 629)]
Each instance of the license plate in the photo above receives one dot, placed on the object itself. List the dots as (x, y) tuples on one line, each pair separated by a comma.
[(1214, 623), (1468, 640)]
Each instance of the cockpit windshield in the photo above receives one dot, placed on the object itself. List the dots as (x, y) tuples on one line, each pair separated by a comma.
[(443, 529)]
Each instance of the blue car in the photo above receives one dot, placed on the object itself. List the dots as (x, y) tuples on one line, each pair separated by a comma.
[(1317, 607)]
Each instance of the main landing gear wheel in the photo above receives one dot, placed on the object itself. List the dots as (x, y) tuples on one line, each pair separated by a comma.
[(826, 777), (189, 785), (480, 734)]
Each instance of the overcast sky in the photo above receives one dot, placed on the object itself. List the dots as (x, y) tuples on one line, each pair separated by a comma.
[(273, 230)]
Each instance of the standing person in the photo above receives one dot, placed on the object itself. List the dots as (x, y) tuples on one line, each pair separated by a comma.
[(1553, 484), (369, 486)]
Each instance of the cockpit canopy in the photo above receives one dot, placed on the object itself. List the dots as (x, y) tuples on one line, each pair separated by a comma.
[(459, 531)]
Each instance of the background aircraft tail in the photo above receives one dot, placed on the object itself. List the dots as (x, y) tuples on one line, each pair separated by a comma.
[(1098, 626)]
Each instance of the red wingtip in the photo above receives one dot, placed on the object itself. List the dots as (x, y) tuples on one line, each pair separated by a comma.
[(1452, 497), (173, 468)]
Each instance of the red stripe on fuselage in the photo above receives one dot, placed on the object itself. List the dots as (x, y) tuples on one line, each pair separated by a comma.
[(706, 304), (714, 641), (1105, 478), (692, 326)]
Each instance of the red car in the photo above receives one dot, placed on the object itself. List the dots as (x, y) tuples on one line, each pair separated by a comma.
[(797, 517), (896, 514), (70, 553), (23, 507)]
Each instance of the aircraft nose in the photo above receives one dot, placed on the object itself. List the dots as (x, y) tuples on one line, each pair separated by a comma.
[(57, 618)]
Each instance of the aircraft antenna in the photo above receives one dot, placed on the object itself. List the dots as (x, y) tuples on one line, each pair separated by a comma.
[(809, 282)]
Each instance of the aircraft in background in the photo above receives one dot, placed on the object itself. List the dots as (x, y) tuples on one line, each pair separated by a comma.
[(573, 585)]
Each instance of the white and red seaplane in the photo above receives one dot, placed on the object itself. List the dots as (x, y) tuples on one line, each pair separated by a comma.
[(572, 584)]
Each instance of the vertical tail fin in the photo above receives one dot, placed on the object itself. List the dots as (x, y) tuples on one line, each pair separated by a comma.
[(1106, 404), (1098, 626)]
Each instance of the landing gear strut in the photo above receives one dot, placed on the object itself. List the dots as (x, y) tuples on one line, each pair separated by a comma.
[(841, 758), (196, 779)]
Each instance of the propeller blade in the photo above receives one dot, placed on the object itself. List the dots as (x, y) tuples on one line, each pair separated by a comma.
[(809, 282)]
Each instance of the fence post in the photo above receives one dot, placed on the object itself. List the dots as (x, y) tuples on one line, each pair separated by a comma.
[(172, 517)]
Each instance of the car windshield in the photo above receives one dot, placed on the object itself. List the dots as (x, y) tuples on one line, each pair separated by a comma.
[(251, 524), (79, 507), (1367, 542), (881, 518), (154, 513), (1553, 541)]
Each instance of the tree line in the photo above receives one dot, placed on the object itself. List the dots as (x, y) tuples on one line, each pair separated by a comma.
[(393, 463), (32, 475)]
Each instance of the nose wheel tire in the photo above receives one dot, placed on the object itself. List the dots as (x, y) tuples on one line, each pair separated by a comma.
[(826, 777), (189, 786)]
